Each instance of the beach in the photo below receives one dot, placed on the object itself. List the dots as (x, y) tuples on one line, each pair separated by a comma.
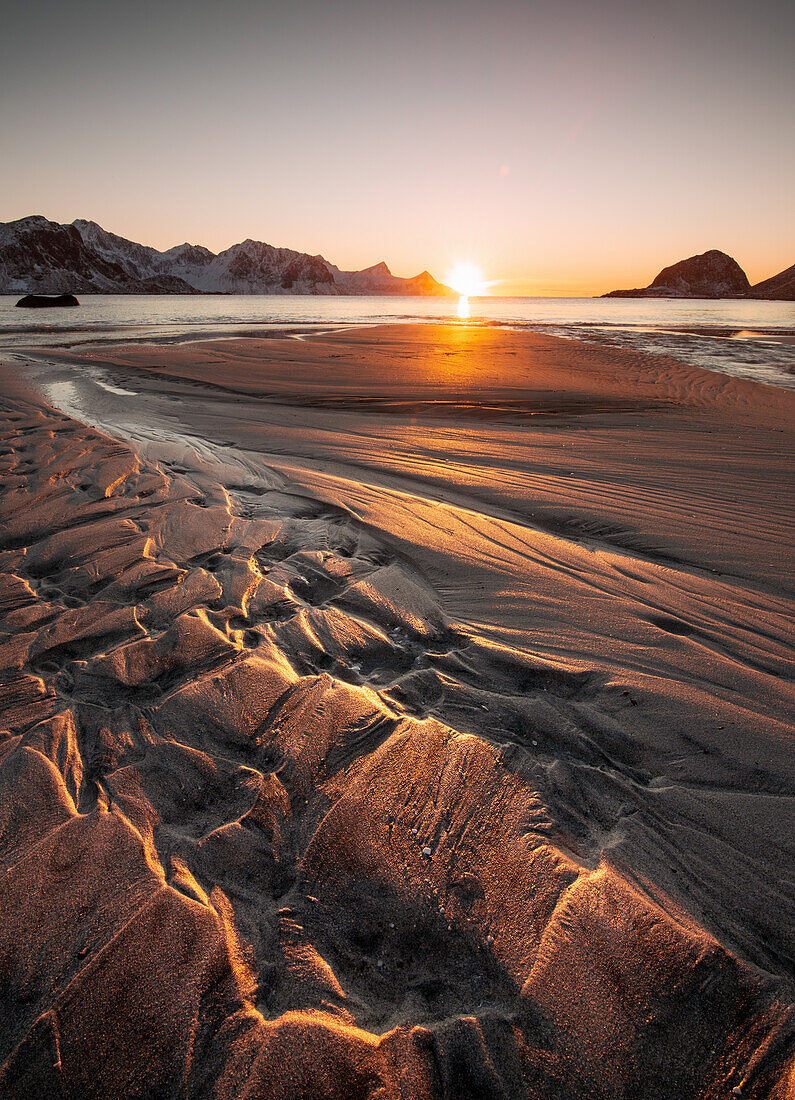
[(401, 711)]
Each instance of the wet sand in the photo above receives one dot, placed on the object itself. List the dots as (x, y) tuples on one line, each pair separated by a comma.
[(405, 709)]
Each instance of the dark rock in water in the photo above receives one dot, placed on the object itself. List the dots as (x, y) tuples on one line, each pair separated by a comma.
[(713, 274), (41, 301)]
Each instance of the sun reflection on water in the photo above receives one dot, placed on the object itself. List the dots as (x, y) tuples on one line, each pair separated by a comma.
[(463, 307)]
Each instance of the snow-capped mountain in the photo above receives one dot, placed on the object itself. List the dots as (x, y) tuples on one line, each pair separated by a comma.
[(40, 256)]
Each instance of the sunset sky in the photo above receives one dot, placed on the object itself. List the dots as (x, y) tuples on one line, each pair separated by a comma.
[(566, 148)]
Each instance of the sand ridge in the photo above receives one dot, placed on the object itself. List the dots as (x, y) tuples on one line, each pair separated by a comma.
[(311, 826)]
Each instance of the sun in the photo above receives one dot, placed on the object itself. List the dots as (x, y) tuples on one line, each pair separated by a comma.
[(466, 279)]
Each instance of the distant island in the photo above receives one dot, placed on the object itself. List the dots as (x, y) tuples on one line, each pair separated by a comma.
[(713, 274), (38, 256)]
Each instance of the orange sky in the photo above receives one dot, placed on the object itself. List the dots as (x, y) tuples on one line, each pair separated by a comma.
[(567, 149)]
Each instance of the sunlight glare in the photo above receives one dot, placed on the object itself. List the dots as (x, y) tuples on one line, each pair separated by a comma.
[(463, 307), (465, 278)]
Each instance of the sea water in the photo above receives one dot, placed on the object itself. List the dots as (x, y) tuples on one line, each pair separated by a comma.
[(748, 339)]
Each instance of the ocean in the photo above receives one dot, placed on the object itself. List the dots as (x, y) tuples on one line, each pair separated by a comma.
[(747, 339)]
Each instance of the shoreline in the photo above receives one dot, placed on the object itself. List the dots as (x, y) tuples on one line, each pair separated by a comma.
[(357, 629), (604, 362), (736, 350)]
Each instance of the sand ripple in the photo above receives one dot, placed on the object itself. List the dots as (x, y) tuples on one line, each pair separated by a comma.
[(279, 818)]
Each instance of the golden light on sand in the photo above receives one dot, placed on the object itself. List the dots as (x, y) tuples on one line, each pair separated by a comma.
[(429, 554)]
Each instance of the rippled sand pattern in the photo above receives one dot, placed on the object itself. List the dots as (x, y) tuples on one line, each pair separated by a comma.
[(354, 778)]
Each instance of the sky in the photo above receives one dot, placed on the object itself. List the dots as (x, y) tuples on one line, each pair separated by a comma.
[(565, 147)]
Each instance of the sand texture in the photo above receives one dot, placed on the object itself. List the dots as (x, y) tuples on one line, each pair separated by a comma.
[(401, 713)]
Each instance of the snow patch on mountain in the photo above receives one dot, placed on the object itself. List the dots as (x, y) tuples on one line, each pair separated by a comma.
[(40, 256)]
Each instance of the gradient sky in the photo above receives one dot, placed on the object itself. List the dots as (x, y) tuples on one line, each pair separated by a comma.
[(566, 147)]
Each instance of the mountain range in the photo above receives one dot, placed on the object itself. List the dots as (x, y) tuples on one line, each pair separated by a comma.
[(44, 257), (39, 256), (712, 274)]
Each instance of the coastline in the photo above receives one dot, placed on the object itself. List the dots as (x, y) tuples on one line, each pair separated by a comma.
[(520, 601), (750, 340)]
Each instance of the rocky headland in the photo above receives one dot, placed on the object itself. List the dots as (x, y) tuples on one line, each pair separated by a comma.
[(713, 274)]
